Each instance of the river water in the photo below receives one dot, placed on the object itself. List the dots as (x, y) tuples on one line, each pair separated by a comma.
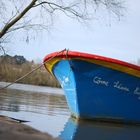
[(46, 109)]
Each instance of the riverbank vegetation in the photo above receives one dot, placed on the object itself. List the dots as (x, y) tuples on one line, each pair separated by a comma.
[(12, 68)]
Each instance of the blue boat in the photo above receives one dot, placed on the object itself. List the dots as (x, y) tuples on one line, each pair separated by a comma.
[(97, 87)]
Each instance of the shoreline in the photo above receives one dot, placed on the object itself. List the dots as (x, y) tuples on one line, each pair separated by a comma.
[(11, 129), (32, 88)]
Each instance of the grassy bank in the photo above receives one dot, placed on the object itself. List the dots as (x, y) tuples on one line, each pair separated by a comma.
[(9, 72)]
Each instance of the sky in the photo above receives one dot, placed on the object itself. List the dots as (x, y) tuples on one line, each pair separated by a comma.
[(104, 36)]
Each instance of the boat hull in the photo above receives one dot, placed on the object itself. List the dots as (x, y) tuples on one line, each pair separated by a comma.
[(95, 91)]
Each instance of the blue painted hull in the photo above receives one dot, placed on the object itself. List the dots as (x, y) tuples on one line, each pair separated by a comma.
[(96, 92)]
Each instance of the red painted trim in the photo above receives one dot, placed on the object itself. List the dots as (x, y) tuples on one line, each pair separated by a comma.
[(74, 54)]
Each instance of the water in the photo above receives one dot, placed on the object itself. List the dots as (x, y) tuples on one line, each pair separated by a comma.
[(47, 111)]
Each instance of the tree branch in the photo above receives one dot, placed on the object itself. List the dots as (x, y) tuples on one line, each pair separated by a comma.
[(28, 26), (65, 9), (16, 19), (79, 9)]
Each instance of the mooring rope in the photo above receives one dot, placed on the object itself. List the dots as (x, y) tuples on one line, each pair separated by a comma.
[(27, 74)]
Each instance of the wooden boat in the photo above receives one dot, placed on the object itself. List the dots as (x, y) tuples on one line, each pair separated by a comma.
[(97, 87)]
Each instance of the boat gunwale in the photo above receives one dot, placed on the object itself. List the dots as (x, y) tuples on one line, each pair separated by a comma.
[(75, 54)]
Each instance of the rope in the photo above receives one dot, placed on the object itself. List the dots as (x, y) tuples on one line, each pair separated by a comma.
[(24, 76), (67, 53)]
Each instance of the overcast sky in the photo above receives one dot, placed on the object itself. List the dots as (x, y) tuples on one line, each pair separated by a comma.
[(104, 36)]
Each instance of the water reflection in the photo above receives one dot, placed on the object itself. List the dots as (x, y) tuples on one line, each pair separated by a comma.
[(50, 104), (87, 130), (47, 112)]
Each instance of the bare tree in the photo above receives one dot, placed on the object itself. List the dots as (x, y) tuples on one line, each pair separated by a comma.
[(38, 14)]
